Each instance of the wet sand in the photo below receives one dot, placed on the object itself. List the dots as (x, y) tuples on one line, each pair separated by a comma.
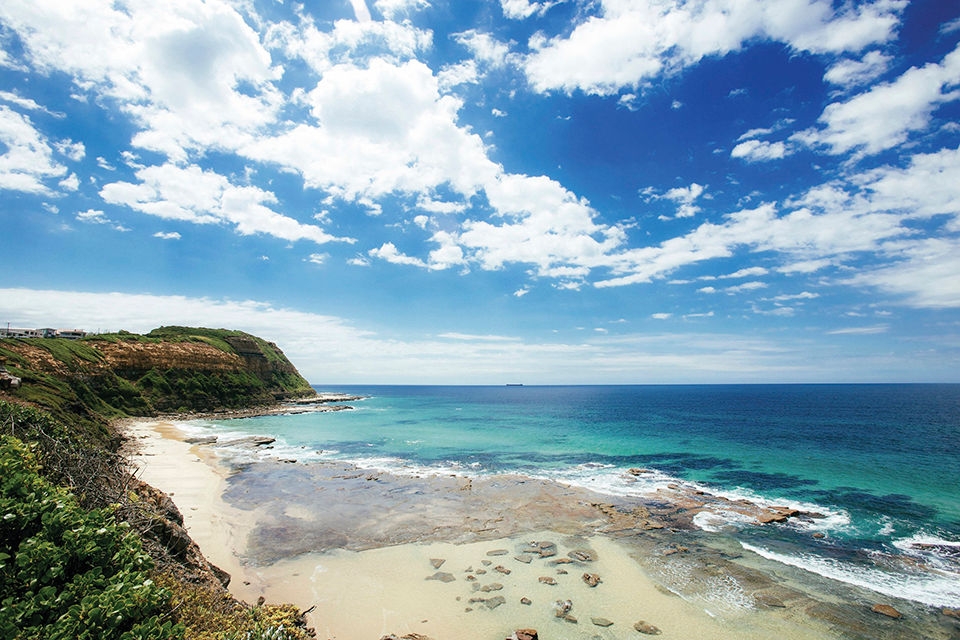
[(360, 545)]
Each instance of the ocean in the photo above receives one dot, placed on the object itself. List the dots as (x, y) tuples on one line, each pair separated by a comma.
[(878, 464)]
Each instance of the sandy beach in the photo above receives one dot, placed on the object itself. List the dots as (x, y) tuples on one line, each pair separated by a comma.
[(452, 558)]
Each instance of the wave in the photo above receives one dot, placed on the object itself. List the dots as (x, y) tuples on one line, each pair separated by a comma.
[(932, 588)]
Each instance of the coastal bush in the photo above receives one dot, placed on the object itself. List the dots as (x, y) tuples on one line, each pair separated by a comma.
[(66, 572), (211, 614)]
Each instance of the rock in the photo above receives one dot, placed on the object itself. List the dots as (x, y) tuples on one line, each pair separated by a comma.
[(561, 561), (222, 576), (562, 608), (635, 471), (777, 514), (601, 622), (591, 579), (887, 610), (769, 600), (524, 634), (647, 629), (498, 552), (486, 563), (495, 601), (481, 572), (953, 613), (571, 619), (525, 558), (525, 600), (547, 580), (201, 440), (437, 562), (493, 586), (471, 578), (502, 569), (546, 549), (442, 576), (819, 535), (582, 555), (562, 572)]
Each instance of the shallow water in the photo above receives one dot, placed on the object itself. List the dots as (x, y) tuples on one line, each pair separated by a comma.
[(877, 464)]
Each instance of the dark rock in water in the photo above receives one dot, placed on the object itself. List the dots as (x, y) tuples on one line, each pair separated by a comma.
[(502, 569), (525, 558), (562, 608), (647, 628), (524, 634), (582, 555), (953, 613), (634, 471), (591, 579), (495, 601), (493, 586), (442, 576), (777, 514), (769, 600), (498, 552), (437, 562), (525, 600), (887, 610), (601, 622), (571, 619), (547, 580)]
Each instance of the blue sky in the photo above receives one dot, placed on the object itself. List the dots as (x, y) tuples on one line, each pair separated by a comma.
[(440, 191)]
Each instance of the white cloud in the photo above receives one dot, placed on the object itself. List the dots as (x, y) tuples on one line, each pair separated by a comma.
[(746, 286), (759, 150), (661, 316), (318, 258), (349, 42), (747, 272), (360, 10), (204, 197), (27, 159), (685, 197), (167, 235), (175, 68), (522, 9), (484, 47), (887, 114), (390, 9), (852, 73), (924, 275), (630, 42), (860, 331), (72, 150)]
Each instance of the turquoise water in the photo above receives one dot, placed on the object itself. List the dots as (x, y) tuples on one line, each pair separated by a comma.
[(880, 462)]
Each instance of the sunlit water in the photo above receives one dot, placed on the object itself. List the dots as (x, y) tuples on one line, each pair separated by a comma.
[(881, 463)]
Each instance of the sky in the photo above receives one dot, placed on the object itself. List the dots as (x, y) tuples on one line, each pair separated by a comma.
[(506, 191)]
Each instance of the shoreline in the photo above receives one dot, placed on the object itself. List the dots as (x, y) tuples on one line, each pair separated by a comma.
[(370, 527)]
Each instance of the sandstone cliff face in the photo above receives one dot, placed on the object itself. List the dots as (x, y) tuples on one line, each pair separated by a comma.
[(171, 369)]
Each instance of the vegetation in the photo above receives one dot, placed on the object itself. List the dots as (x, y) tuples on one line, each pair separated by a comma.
[(86, 549), (105, 377), (66, 572)]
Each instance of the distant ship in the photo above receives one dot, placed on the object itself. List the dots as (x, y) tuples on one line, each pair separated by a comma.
[(514, 384)]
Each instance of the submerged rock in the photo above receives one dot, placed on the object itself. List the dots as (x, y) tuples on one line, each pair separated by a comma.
[(437, 562), (591, 579), (524, 634), (562, 607), (647, 629), (601, 622), (442, 576), (887, 610), (547, 580)]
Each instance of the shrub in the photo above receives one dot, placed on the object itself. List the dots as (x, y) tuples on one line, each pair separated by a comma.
[(66, 572)]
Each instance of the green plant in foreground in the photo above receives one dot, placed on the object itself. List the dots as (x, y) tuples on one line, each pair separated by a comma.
[(66, 572)]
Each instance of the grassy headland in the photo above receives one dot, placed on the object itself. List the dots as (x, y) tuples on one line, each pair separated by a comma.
[(86, 549)]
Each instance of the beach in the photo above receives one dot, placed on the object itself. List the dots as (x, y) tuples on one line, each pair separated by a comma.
[(447, 556)]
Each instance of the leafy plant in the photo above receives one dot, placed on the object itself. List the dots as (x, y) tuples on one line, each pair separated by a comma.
[(66, 572)]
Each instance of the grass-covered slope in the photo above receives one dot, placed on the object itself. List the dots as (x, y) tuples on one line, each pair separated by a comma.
[(170, 369), (87, 550)]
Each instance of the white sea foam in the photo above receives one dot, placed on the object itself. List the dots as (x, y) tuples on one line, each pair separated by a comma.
[(929, 588)]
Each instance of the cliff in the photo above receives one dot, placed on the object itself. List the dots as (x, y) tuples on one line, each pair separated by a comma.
[(71, 500), (169, 370)]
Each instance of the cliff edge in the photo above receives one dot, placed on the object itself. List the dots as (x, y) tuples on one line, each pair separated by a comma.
[(169, 370)]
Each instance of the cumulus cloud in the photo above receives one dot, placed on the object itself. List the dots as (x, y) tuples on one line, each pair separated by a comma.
[(628, 43), (848, 72), (885, 115), (759, 150), (27, 160), (194, 195)]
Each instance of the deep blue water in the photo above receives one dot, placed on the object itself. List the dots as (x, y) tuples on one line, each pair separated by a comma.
[(882, 462)]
